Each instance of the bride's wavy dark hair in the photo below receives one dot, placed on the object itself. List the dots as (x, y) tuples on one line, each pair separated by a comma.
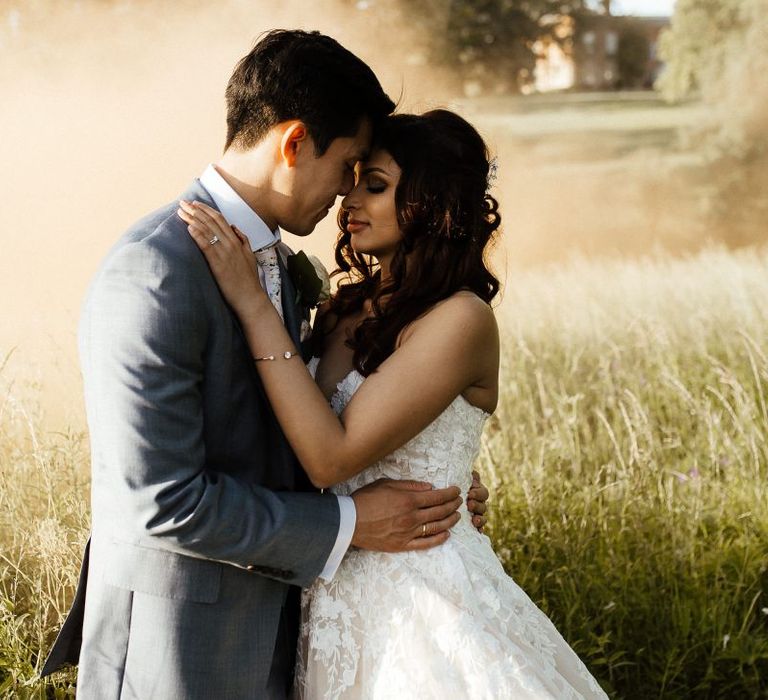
[(447, 219)]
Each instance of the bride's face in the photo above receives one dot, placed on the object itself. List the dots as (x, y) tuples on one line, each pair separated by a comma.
[(372, 214)]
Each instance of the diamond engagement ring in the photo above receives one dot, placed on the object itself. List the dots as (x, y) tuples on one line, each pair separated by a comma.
[(214, 240)]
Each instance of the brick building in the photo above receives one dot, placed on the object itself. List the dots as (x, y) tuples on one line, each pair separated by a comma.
[(601, 52)]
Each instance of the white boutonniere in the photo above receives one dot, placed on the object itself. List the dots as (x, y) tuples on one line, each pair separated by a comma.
[(305, 331), (325, 278), (310, 278)]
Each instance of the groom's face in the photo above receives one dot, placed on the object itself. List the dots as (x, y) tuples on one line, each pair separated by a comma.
[(319, 180)]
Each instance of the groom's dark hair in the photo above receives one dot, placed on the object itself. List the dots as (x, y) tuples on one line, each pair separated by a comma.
[(293, 74)]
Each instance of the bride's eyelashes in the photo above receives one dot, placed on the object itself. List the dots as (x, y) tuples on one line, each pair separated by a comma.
[(376, 187)]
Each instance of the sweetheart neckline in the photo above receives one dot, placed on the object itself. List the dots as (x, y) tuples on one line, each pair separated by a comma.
[(352, 372)]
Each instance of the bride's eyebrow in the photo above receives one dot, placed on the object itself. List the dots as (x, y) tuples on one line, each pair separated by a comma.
[(367, 171)]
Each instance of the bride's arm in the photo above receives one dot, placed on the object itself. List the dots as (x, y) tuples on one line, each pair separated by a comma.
[(448, 350)]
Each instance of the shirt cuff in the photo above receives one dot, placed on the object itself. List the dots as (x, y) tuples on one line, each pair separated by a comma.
[(347, 520)]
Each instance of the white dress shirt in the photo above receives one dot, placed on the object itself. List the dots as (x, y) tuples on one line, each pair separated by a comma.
[(239, 214)]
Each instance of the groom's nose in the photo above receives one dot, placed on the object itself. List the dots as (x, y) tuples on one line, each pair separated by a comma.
[(349, 201), (347, 184)]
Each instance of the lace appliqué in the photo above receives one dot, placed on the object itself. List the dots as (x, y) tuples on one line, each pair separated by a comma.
[(447, 622)]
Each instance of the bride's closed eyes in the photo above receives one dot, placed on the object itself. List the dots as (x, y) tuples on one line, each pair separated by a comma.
[(375, 186), (372, 179), (372, 183)]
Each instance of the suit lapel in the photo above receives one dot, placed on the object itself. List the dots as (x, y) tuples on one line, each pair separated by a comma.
[(199, 193), (291, 314), (291, 310)]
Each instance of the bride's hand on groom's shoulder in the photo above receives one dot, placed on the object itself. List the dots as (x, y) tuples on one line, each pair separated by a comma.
[(398, 516), (226, 250)]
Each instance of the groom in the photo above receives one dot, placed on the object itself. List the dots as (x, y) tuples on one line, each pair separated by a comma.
[(203, 524)]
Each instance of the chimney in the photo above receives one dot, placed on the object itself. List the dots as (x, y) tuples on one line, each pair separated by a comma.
[(606, 7)]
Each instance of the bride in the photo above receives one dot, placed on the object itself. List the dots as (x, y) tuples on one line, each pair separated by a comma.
[(408, 359)]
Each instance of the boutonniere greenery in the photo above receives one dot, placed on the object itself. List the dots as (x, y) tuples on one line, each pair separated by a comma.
[(310, 278)]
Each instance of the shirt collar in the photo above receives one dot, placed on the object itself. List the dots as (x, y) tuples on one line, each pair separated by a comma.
[(237, 212)]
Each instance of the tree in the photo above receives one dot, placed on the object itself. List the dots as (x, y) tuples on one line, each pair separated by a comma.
[(490, 42), (703, 36), (717, 50)]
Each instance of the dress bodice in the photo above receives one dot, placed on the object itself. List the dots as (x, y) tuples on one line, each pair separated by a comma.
[(445, 622), (442, 454)]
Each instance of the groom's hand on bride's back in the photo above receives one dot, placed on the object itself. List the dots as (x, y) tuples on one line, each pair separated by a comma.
[(397, 516)]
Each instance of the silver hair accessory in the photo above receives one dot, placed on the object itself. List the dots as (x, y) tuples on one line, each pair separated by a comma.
[(493, 167)]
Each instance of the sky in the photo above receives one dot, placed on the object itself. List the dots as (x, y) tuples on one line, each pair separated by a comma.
[(643, 7)]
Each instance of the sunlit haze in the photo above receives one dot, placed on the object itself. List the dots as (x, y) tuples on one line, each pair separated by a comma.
[(112, 109)]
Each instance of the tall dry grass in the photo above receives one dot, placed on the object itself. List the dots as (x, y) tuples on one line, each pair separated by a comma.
[(43, 528), (627, 461)]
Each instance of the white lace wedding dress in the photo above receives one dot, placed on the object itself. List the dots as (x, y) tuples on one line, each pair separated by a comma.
[(444, 623)]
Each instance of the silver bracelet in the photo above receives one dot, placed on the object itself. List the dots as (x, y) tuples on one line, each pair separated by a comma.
[(287, 355)]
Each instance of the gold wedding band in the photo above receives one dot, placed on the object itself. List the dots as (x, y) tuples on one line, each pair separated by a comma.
[(424, 530)]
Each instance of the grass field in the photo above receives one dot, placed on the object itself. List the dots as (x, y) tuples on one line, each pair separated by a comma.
[(627, 461), (628, 455)]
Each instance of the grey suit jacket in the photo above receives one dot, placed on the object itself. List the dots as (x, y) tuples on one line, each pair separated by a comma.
[(200, 526)]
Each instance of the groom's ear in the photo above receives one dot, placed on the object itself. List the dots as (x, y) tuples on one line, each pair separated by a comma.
[(295, 139)]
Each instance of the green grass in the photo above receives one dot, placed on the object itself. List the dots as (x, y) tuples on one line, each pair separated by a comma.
[(628, 459), (627, 462)]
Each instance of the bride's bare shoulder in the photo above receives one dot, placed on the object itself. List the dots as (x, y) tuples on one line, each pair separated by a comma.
[(462, 307), (462, 313)]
